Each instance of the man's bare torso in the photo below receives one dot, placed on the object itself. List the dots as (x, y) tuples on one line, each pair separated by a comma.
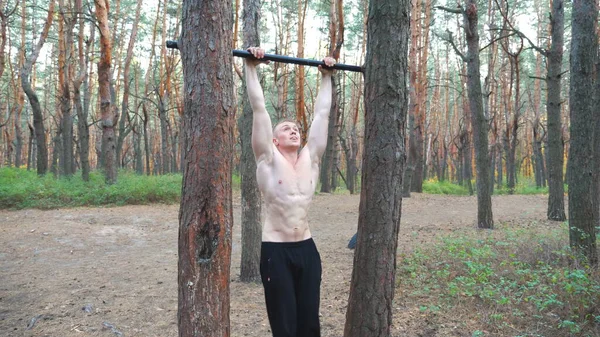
[(287, 190)]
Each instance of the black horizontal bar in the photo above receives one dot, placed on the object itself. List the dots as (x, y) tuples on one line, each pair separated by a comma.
[(284, 59)]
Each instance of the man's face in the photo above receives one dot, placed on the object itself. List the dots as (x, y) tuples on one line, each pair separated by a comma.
[(287, 135)]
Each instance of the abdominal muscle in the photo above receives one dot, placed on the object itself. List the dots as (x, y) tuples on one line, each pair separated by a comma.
[(287, 191), (286, 221)]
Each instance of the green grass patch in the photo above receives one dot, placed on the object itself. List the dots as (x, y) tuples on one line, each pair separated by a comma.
[(443, 187), (525, 186), (20, 188), (514, 282)]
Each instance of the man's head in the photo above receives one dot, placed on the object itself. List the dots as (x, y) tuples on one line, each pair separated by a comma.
[(286, 134)]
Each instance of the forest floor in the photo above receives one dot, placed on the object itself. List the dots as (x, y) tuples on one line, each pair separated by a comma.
[(113, 271)]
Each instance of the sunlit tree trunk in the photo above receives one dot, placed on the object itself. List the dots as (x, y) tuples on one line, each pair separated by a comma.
[(146, 113), (300, 108), (108, 117), (80, 106)]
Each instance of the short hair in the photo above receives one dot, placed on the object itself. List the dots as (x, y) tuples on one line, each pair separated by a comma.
[(286, 120)]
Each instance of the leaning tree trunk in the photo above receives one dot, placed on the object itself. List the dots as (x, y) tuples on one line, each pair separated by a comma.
[(205, 216), (582, 231), (38, 116), (251, 202), (123, 131), (370, 308), (556, 189)]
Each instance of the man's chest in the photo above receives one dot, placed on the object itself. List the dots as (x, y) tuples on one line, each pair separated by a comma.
[(284, 179)]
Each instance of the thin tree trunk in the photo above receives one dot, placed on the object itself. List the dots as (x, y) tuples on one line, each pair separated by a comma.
[(66, 24), (82, 108), (584, 48), (123, 130), (372, 289), (205, 217), (108, 118), (480, 126), (3, 26), (251, 201), (300, 109), (38, 117), (556, 189)]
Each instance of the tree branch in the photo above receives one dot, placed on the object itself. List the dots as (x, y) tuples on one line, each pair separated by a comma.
[(496, 40), (538, 78), (450, 40), (458, 10)]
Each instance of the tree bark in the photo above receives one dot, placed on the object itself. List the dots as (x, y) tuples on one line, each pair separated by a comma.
[(66, 25), (300, 110), (124, 131), (372, 287), (108, 118), (556, 189), (82, 107), (3, 26), (582, 232), (38, 117), (480, 125), (251, 200), (205, 217)]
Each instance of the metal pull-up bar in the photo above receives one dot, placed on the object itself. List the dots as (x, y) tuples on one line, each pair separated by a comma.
[(284, 59)]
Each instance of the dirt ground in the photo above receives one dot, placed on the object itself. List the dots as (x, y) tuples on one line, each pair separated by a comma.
[(113, 271)]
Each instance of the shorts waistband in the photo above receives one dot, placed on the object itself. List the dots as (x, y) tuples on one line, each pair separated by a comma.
[(302, 243)]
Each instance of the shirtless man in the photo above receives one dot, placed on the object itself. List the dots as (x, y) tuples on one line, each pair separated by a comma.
[(290, 264)]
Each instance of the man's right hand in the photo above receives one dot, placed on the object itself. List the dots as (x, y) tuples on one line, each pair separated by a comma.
[(258, 54)]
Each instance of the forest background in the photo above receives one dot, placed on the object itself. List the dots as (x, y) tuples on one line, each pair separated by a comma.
[(146, 87)]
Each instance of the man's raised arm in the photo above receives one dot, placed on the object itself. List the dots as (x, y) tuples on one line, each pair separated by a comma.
[(317, 137), (262, 133)]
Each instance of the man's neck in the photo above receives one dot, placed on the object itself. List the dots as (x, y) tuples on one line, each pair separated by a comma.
[(291, 155)]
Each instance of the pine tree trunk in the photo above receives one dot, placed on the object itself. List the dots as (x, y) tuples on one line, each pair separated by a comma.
[(3, 28), (205, 217), (480, 126), (82, 107), (66, 23), (18, 138), (327, 166), (251, 200), (38, 116), (556, 189), (584, 44), (300, 78), (372, 289), (123, 130), (108, 116)]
